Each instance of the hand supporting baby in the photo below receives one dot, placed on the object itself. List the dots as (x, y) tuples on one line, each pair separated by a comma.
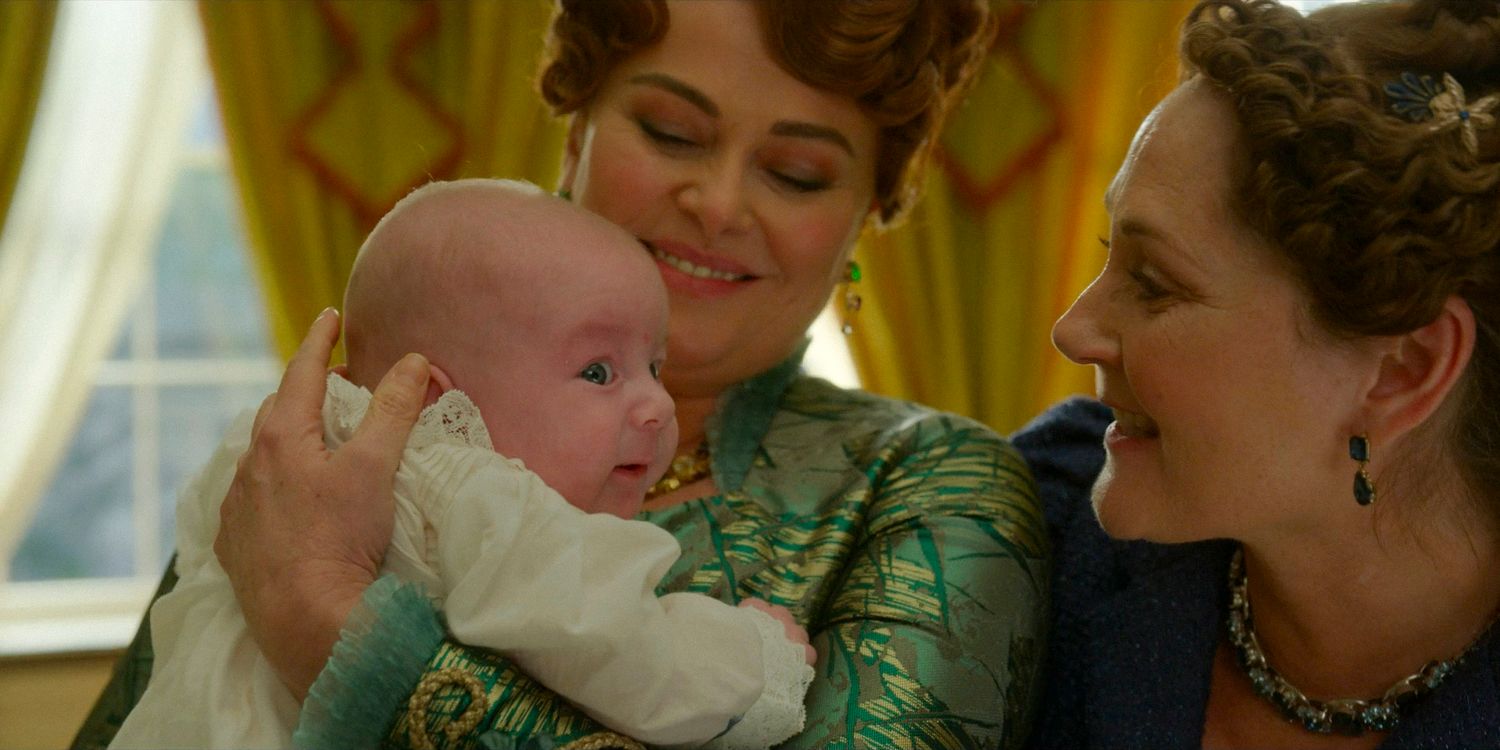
[(794, 632)]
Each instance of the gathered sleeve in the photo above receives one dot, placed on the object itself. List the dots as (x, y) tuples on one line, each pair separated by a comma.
[(933, 638)]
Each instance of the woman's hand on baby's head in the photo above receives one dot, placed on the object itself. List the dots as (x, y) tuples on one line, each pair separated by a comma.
[(303, 529), (794, 631)]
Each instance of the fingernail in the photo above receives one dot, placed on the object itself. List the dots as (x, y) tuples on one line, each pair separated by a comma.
[(326, 312), (412, 368)]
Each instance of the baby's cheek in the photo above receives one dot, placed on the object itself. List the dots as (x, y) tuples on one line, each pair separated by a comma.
[(666, 450)]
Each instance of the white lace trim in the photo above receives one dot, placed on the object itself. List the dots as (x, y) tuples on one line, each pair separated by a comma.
[(454, 419), (780, 711)]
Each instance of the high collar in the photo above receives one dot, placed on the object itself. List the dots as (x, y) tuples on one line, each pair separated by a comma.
[(742, 418)]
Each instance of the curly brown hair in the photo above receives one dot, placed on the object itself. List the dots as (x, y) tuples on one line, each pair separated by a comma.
[(1382, 219), (905, 61)]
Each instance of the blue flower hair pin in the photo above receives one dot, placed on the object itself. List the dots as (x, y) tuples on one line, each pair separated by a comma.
[(1419, 99), (1410, 95)]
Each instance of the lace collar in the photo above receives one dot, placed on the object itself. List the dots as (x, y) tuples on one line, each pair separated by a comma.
[(453, 419)]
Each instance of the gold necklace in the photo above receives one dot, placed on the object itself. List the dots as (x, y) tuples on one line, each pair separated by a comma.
[(685, 469)]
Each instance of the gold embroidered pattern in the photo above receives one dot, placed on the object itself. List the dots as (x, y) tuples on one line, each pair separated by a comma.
[(604, 741), (422, 697)]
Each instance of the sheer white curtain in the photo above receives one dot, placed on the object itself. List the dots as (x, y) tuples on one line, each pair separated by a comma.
[(113, 114)]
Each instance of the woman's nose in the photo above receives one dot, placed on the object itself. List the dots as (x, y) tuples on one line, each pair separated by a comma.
[(716, 198), (1081, 333)]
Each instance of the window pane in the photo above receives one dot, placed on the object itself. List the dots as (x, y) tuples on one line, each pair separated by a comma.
[(207, 303), (123, 343), (83, 524), (194, 419), (206, 130)]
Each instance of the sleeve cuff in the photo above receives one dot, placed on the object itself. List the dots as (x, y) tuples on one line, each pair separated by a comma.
[(383, 650), (780, 711)]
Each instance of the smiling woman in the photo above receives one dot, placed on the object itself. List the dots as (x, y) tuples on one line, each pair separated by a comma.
[(1301, 304), (747, 146), (770, 199), (1230, 371)]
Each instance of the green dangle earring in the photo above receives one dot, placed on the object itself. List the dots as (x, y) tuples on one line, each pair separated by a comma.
[(852, 300)]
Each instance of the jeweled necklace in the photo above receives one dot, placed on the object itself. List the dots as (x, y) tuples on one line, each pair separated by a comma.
[(1350, 716), (685, 469)]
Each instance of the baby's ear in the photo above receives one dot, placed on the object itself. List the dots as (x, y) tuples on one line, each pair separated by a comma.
[(437, 384)]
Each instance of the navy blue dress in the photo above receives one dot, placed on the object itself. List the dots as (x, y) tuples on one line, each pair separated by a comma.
[(1135, 625)]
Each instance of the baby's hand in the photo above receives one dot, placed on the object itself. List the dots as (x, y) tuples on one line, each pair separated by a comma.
[(794, 632)]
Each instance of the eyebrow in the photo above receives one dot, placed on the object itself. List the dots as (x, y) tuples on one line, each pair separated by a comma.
[(1132, 226), (693, 96), (809, 130), (599, 329), (789, 128)]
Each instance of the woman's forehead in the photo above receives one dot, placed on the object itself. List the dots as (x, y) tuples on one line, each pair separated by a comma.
[(1185, 155)]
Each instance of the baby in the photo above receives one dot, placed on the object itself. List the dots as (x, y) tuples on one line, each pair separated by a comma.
[(545, 326)]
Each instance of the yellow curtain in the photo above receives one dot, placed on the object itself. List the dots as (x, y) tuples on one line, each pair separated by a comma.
[(25, 37), (959, 301), (333, 110)]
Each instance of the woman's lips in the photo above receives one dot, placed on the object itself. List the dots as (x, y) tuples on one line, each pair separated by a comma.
[(695, 264)]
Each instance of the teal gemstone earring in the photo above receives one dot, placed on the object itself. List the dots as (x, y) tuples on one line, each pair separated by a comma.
[(565, 194), (1364, 486)]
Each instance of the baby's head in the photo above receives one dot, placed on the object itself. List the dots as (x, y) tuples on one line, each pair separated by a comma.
[(551, 319)]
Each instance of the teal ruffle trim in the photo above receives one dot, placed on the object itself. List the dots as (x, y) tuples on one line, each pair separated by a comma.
[(383, 650)]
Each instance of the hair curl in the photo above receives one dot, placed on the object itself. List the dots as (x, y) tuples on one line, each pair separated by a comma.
[(1382, 219), (906, 62)]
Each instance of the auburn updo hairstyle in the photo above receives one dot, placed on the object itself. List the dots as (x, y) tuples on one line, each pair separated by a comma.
[(906, 62), (1382, 218)]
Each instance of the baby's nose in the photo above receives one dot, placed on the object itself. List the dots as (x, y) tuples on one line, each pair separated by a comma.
[(656, 408)]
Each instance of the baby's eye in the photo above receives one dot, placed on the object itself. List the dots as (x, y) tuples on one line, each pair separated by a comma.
[(598, 373), (656, 371)]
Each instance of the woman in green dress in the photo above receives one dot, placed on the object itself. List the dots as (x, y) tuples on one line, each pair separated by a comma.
[(747, 145)]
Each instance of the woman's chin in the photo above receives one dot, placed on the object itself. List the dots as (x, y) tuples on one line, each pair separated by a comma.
[(1117, 522), (1129, 512)]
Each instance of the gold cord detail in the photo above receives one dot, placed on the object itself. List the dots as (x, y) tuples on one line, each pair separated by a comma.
[(604, 741), (420, 698)]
